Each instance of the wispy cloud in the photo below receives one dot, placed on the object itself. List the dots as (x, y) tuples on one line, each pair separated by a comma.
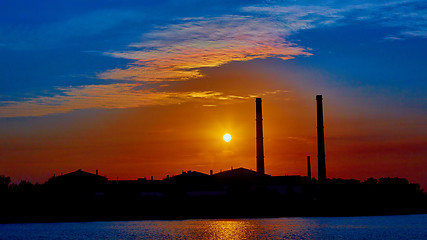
[(410, 15), (105, 96), (178, 51)]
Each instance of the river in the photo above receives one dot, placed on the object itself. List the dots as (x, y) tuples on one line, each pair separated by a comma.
[(373, 227)]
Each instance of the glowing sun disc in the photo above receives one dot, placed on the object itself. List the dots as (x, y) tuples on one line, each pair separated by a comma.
[(227, 137)]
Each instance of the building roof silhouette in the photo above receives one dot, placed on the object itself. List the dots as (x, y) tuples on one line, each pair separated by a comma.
[(78, 177), (239, 175)]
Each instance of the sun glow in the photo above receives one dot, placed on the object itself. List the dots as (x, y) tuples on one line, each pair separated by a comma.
[(227, 137)]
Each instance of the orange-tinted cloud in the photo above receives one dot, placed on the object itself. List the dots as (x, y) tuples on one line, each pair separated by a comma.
[(105, 96), (178, 51), (110, 96)]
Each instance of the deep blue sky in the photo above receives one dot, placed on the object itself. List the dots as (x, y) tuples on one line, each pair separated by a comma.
[(52, 47)]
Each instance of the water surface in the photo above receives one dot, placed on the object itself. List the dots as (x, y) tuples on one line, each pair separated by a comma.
[(377, 227)]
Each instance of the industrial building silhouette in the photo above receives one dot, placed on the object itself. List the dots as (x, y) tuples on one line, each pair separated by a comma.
[(241, 176), (239, 192)]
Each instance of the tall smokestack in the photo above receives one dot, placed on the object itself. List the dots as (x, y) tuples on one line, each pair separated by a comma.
[(259, 138), (308, 168), (320, 140)]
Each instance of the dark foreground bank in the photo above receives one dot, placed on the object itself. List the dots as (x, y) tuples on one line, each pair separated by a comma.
[(239, 193)]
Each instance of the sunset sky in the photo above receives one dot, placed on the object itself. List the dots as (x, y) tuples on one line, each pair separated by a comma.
[(149, 88)]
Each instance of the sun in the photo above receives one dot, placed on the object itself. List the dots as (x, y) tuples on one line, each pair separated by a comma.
[(227, 137)]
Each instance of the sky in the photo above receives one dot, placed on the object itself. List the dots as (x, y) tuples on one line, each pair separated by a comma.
[(148, 88)]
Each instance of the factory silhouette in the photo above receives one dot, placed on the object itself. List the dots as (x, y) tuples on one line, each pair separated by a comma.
[(235, 193)]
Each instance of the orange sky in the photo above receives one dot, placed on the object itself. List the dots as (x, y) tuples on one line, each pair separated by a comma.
[(165, 139)]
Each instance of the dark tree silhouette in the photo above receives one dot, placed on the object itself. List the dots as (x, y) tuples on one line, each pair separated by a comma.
[(4, 183)]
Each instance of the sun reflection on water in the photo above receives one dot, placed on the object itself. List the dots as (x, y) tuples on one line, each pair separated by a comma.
[(228, 229)]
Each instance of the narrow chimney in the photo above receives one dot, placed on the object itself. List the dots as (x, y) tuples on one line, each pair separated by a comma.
[(96, 172), (151, 178), (308, 168), (320, 140), (259, 138), (211, 172)]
